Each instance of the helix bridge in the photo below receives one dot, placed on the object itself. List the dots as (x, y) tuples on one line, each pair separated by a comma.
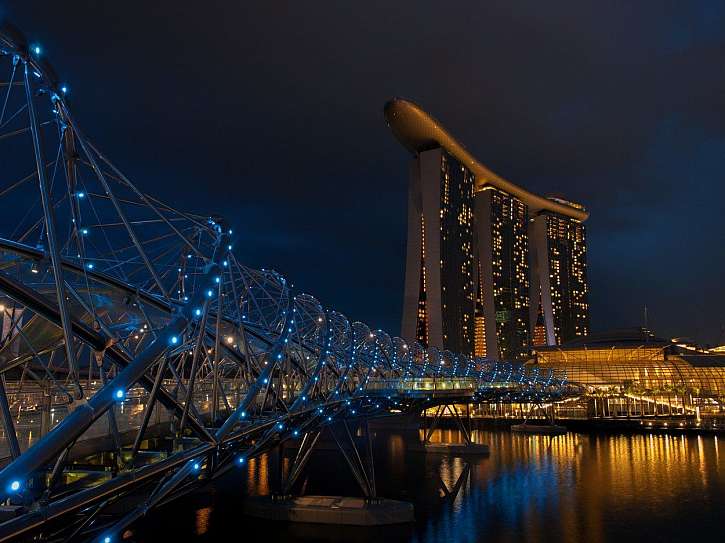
[(140, 358)]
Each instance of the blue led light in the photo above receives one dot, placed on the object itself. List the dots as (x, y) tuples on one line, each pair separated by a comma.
[(229, 247), (15, 486), (81, 195), (225, 263), (36, 49), (295, 433), (89, 265), (280, 426), (197, 312), (119, 394), (84, 231), (64, 89), (174, 340), (210, 293), (196, 466), (241, 460), (107, 539), (217, 279)]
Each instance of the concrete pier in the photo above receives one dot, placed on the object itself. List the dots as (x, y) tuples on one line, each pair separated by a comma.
[(330, 510)]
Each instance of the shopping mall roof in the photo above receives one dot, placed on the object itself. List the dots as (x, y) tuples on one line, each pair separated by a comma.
[(623, 337)]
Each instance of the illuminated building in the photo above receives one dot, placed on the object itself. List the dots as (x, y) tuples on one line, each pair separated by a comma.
[(440, 283), (479, 336), (503, 252), (469, 281), (632, 373), (559, 275)]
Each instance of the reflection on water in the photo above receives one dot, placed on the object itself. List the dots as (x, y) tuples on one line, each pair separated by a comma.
[(202, 520), (577, 487), (258, 478)]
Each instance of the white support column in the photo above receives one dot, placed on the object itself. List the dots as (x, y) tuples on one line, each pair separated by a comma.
[(430, 178), (412, 261), (540, 275)]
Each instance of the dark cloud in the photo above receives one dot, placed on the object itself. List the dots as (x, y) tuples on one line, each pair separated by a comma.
[(271, 113)]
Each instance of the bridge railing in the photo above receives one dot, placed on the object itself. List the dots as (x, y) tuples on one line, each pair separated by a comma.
[(431, 384)]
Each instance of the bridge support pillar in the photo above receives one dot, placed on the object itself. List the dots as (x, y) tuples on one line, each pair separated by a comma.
[(371, 510), (307, 445), (468, 446)]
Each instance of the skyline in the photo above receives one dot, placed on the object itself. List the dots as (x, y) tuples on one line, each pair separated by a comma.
[(632, 145)]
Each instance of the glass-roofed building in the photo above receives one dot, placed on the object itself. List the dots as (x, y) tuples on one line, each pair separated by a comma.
[(632, 373)]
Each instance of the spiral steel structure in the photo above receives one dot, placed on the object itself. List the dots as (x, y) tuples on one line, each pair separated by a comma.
[(129, 327)]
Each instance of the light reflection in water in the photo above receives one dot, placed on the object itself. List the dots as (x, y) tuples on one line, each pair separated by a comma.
[(576, 487), (202, 520), (258, 476)]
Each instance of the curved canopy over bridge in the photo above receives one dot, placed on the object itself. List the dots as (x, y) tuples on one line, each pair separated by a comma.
[(129, 326)]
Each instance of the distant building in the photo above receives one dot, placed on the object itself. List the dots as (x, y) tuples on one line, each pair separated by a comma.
[(471, 285), (635, 373)]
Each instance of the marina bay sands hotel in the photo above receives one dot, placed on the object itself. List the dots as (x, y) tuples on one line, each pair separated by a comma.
[(492, 269)]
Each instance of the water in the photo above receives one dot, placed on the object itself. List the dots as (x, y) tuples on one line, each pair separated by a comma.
[(577, 487)]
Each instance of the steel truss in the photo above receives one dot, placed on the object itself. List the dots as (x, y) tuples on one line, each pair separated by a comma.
[(138, 358)]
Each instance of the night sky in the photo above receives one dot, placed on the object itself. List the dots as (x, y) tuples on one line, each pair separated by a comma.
[(270, 113)]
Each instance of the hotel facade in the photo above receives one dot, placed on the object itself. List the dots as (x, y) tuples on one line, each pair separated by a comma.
[(491, 269)]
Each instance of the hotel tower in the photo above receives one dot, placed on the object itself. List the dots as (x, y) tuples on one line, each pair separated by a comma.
[(491, 269)]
